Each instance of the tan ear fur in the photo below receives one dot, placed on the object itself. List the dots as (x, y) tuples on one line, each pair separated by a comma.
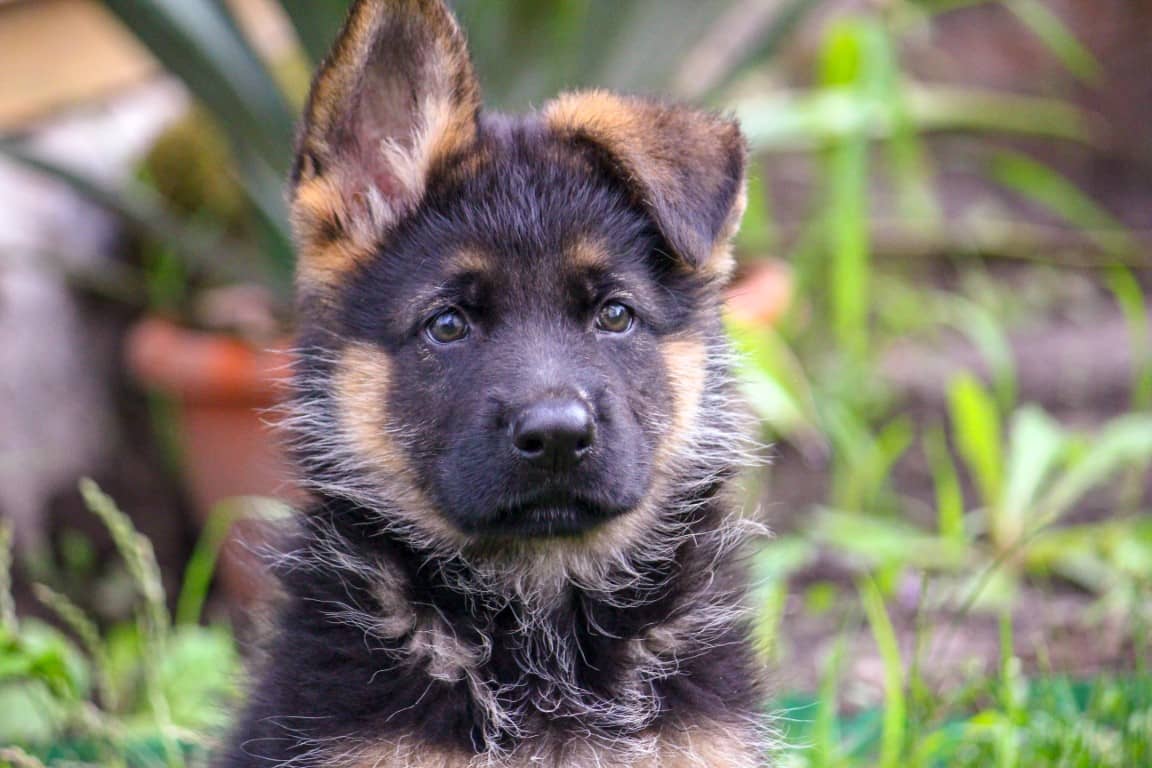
[(686, 166)]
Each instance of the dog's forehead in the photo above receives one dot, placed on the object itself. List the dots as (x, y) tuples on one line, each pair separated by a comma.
[(528, 199)]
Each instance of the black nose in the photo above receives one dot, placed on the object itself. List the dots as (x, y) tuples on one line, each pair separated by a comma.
[(555, 433)]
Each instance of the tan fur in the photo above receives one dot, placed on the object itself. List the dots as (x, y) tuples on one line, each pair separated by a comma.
[(705, 746), (668, 154), (319, 208), (710, 747), (587, 254), (361, 391), (472, 261), (685, 361), (723, 262)]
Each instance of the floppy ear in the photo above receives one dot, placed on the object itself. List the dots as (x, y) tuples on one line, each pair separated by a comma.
[(396, 96), (685, 166)]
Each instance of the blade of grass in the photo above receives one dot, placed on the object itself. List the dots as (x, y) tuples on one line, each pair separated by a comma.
[(907, 162), (892, 441), (845, 62), (976, 425), (1057, 38), (895, 705), (799, 121), (140, 560), (1060, 196), (1011, 696), (201, 567), (88, 633), (986, 334), (946, 482), (1130, 296), (1122, 443), (1036, 446), (825, 734)]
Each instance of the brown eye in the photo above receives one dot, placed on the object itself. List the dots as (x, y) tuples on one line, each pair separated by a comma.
[(447, 327), (614, 317)]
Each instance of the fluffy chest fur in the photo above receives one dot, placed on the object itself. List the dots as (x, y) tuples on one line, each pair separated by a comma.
[(389, 659)]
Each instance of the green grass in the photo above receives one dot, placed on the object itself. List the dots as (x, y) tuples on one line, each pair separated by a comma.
[(1050, 723), (150, 692)]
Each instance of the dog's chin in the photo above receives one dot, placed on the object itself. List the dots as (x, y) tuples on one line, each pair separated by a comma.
[(547, 517)]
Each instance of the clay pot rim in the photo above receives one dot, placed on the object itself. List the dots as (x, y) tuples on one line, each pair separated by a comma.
[(207, 367)]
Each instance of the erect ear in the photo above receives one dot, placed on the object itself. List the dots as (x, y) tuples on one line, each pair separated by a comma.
[(685, 166), (396, 96)]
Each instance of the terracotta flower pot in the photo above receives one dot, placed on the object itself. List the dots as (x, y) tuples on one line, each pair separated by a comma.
[(762, 294), (222, 387)]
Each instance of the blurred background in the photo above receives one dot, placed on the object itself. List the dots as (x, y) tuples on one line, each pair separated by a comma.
[(942, 305)]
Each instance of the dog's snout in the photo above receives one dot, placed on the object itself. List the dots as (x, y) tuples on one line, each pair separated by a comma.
[(554, 433)]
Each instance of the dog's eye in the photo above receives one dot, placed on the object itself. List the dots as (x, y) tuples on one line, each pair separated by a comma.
[(614, 317), (447, 327)]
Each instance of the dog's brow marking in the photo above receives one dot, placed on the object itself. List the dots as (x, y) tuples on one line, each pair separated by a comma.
[(470, 260), (588, 254)]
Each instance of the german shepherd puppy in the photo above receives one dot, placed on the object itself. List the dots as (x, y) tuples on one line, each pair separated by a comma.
[(514, 410)]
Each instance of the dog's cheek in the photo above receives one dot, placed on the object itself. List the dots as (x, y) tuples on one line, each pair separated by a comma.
[(685, 370), (362, 386)]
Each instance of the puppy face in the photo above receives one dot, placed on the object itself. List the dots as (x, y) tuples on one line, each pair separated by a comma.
[(506, 321)]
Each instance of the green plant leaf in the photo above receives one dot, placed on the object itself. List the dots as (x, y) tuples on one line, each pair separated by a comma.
[(199, 42), (774, 381), (1122, 443), (884, 542), (791, 121), (976, 425), (316, 22), (1138, 317), (825, 731), (1056, 36), (1036, 446), (1058, 195), (946, 482), (988, 336), (895, 704)]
